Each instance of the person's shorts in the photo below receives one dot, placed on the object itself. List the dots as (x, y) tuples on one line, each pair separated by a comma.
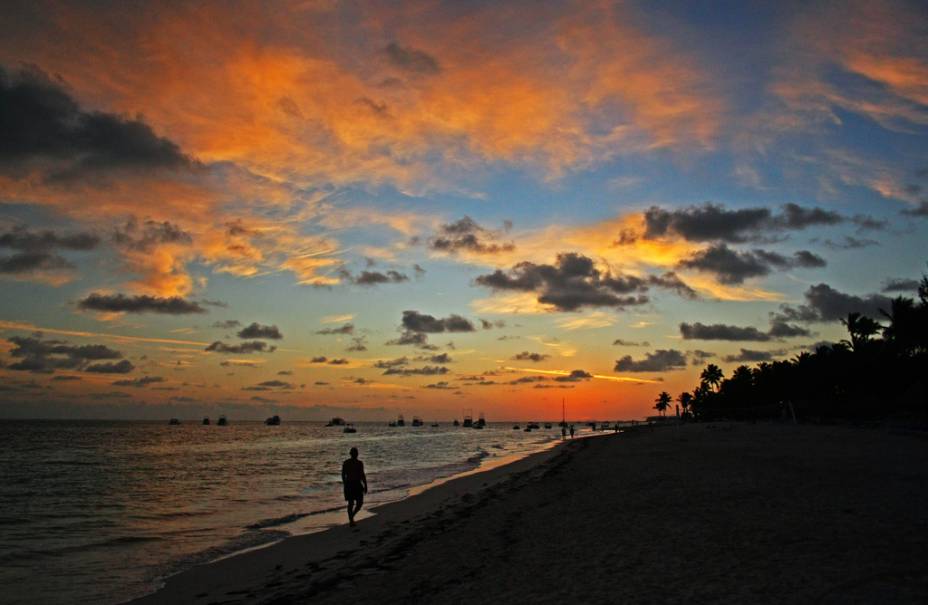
[(354, 490)]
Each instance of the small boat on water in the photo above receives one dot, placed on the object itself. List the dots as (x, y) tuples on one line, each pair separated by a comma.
[(416, 421), (336, 421), (481, 422), (206, 421), (434, 425), (273, 420), (400, 421), (223, 421), (547, 425), (528, 428), (173, 421), (515, 427), (391, 423), (349, 428), (455, 423)]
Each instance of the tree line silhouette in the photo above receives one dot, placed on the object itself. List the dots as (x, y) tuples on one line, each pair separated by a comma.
[(880, 370)]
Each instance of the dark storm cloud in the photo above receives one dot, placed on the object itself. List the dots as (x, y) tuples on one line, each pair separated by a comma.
[(43, 126), (711, 222), (824, 303), (423, 371), (750, 356), (256, 330), (528, 379), (343, 329), (140, 303), (373, 278), (385, 364), (270, 385), (660, 360), (868, 223), (417, 339), (574, 376), (138, 382), (413, 321), (149, 235), (700, 331), (574, 282), (227, 324), (486, 324), (733, 266), (782, 329), (630, 343), (794, 216), (35, 251), (22, 238), (119, 367), (335, 361), (244, 348), (357, 345), (31, 262), (900, 285), (438, 358), (33, 354), (466, 234), (528, 356), (412, 59), (705, 223), (442, 385), (851, 243)]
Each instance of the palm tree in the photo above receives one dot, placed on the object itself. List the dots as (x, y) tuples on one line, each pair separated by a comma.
[(860, 328), (712, 375), (663, 402), (685, 399)]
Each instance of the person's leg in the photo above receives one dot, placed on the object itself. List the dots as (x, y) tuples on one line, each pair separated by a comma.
[(350, 512)]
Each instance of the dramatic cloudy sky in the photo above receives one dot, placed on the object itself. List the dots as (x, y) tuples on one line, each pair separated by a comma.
[(433, 206)]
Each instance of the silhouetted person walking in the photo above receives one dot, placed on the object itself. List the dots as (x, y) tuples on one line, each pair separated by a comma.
[(571, 431), (355, 483)]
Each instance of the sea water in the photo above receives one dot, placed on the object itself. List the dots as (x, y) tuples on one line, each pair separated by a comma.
[(101, 512)]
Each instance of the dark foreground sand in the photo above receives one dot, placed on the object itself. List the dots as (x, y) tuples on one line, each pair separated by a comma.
[(734, 513)]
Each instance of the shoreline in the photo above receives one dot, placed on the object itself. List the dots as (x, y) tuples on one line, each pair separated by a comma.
[(419, 499), (715, 512)]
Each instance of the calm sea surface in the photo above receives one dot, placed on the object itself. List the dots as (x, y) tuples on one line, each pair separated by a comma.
[(98, 512)]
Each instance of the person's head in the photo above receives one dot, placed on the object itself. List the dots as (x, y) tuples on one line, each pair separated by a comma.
[(353, 452)]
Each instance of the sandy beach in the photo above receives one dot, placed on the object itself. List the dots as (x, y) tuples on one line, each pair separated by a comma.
[(704, 513)]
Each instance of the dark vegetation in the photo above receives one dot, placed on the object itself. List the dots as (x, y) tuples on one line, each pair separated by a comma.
[(879, 372)]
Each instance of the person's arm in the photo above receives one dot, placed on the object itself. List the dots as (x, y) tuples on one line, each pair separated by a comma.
[(344, 474), (363, 478)]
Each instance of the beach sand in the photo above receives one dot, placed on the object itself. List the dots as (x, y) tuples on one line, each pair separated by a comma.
[(734, 513)]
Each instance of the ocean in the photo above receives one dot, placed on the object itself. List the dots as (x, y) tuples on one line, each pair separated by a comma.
[(101, 511)]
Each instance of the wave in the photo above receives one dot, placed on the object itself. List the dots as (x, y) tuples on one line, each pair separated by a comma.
[(284, 520), (480, 455)]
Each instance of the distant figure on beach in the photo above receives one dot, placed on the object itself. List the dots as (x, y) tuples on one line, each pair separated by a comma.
[(355, 483), (571, 431)]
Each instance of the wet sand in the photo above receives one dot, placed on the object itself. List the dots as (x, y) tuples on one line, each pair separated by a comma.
[(731, 513)]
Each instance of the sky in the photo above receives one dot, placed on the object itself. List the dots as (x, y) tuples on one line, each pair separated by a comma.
[(430, 208)]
